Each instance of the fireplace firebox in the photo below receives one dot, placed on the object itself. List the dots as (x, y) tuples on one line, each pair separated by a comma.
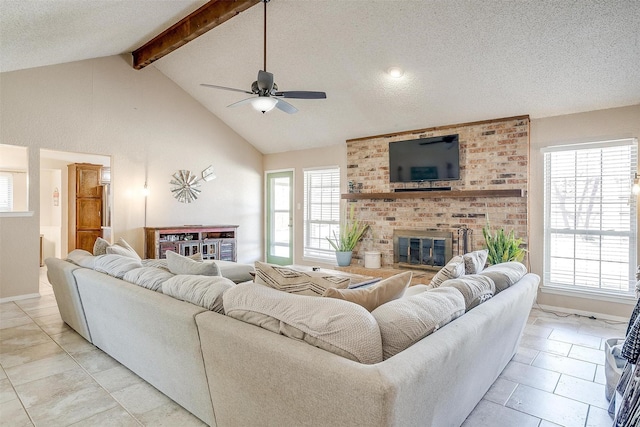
[(426, 249)]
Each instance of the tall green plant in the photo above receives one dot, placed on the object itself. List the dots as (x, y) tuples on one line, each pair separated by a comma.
[(502, 247), (351, 231)]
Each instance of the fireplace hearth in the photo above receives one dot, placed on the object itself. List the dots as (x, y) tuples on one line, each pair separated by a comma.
[(426, 249)]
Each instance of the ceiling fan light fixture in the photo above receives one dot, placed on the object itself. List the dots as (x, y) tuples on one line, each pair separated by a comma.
[(263, 103), (395, 72)]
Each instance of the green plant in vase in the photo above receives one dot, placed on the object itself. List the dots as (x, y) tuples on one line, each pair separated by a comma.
[(503, 247), (351, 231)]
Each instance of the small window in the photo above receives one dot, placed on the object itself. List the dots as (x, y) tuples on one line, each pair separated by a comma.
[(590, 217), (321, 212), (6, 192)]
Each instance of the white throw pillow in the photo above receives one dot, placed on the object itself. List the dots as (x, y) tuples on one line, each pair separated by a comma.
[(122, 248), (285, 279), (475, 261), (100, 246), (179, 264), (116, 265), (453, 270), (505, 274)]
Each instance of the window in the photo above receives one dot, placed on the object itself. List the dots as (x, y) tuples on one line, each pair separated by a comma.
[(321, 212), (590, 216), (6, 192)]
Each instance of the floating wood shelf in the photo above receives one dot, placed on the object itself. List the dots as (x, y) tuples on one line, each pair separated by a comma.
[(436, 194)]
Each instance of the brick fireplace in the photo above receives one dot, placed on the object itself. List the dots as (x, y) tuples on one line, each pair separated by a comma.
[(494, 161)]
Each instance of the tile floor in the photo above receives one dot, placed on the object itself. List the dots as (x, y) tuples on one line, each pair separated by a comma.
[(50, 376)]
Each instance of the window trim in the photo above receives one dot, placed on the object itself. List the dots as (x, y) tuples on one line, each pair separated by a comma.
[(625, 297)]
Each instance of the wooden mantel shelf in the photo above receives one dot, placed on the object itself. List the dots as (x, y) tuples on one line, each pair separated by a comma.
[(436, 194)]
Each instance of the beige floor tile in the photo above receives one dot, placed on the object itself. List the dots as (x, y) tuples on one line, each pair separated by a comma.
[(7, 392), (500, 391), (33, 303), (525, 355), (582, 391), (140, 398), (531, 375), (14, 415), (95, 361), (41, 368), (9, 310), (489, 414), (51, 388), (560, 323), (545, 423), (598, 418), (73, 342), (114, 417), (600, 377), (169, 415), (3, 374), (543, 344), (117, 378), (565, 365), (29, 354), (42, 311), (73, 407), (573, 338), (548, 406), (538, 331), (15, 321), (12, 339), (599, 331), (586, 354)]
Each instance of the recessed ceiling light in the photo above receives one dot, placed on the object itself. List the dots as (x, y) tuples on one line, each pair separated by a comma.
[(395, 72)]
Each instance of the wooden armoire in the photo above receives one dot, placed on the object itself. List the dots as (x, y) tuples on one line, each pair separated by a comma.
[(85, 205)]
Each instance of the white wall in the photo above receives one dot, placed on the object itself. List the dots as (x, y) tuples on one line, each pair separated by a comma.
[(615, 123), (335, 155), (150, 128)]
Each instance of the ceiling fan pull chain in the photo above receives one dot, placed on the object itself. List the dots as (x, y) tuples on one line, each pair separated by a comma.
[(265, 34)]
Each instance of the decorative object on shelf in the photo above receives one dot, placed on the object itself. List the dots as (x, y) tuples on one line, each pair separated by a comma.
[(351, 231), (56, 197), (186, 185), (502, 247)]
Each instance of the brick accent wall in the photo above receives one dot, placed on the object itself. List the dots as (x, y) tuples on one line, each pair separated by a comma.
[(494, 154)]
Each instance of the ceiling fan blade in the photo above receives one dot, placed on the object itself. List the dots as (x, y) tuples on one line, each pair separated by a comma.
[(239, 103), (265, 81), (226, 88), (301, 94), (285, 106)]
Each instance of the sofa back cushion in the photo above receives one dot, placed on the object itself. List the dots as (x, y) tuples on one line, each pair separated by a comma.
[(374, 296), (453, 270), (116, 265), (475, 289), (204, 291), (121, 247), (405, 321), (298, 282), (333, 325), (505, 274), (475, 261), (82, 258), (148, 277)]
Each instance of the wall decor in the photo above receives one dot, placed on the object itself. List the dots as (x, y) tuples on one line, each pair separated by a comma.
[(186, 185)]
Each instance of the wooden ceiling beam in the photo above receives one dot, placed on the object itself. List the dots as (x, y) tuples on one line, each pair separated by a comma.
[(209, 16)]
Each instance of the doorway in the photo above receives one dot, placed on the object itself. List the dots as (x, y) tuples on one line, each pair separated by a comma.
[(279, 217)]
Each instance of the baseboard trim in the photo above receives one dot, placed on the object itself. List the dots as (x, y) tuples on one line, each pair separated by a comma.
[(18, 298), (601, 316)]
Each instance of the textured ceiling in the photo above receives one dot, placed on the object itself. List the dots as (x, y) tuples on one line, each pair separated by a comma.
[(464, 60)]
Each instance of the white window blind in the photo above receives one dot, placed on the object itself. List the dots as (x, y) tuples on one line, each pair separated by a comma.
[(321, 212), (6, 192), (590, 216)]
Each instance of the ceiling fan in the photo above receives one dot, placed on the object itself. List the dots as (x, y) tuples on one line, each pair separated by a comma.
[(267, 91)]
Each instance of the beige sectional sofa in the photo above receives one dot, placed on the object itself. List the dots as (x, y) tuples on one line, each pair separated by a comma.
[(229, 372)]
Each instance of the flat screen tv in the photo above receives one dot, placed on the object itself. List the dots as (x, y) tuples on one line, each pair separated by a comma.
[(426, 159)]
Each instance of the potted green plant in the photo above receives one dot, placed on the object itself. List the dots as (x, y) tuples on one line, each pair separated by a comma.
[(351, 231), (503, 247)]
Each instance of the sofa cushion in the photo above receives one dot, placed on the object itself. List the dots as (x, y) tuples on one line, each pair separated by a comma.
[(416, 289), (121, 247), (505, 274), (179, 264), (285, 279), (337, 326), (82, 258), (475, 261), (204, 291), (475, 289), (100, 246), (453, 270), (374, 296), (235, 272), (116, 265), (148, 277), (405, 321)]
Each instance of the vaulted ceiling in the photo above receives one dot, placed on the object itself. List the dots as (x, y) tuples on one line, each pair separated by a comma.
[(463, 60)]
